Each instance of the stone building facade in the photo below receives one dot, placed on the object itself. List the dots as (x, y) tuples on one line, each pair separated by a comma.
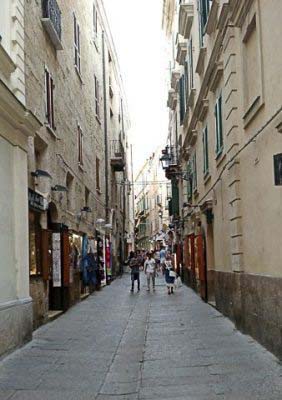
[(226, 106), (151, 204), (77, 161), (17, 124)]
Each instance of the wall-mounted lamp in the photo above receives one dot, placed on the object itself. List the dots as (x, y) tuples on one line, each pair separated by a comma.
[(41, 173), (86, 209), (59, 188)]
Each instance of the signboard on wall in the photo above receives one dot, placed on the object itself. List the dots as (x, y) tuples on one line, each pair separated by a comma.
[(36, 201), (56, 253)]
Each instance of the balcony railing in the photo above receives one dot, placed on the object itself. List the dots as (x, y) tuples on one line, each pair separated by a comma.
[(170, 161), (52, 21), (117, 155)]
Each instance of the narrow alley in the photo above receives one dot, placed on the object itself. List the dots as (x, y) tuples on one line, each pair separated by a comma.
[(117, 345)]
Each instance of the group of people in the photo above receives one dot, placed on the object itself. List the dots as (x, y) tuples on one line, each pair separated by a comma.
[(152, 263)]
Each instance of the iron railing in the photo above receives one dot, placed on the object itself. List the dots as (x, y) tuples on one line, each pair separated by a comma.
[(117, 150), (52, 11)]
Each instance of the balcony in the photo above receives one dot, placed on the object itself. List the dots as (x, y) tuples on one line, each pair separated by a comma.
[(175, 76), (181, 52), (186, 16), (117, 155), (172, 99), (52, 22), (170, 163)]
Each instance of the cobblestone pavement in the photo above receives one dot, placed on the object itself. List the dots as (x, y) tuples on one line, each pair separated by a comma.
[(117, 345)]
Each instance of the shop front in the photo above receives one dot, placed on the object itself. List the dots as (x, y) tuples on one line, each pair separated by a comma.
[(39, 275)]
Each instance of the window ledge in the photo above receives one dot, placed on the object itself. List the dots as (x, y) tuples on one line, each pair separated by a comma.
[(253, 109), (207, 177), (78, 74), (220, 156), (95, 42), (212, 19), (80, 166), (7, 65), (51, 130)]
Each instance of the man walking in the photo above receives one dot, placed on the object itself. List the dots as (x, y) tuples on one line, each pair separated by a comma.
[(134, 265), (163, 258), (150, 271)]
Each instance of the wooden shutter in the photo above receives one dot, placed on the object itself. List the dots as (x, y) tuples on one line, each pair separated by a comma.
[(200, 257), (45, 255), (66, 258)]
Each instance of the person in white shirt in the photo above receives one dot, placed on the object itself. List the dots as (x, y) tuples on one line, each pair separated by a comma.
[(150, 271)]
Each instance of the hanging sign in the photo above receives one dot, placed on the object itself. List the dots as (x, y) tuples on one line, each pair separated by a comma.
[(36, 201), (56, 252)]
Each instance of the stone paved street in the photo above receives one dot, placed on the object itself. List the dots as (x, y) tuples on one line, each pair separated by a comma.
[(117, 345)]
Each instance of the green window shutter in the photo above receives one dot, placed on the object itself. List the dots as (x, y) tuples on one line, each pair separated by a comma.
[(182, 99), (189, 180), (191, 66), (218, 125), (205, 150), (175, 198), (195, 184)]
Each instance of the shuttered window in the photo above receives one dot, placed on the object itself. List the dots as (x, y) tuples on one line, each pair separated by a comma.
[(204, 9), (175, 198), (218, 125), (95, 21), (97, 174), (97, 98), (189, 181), (77, 53), (49, 99), (80, 145), (191, 64), (194, 172), (205, 151), (182, 99), (278, 169)]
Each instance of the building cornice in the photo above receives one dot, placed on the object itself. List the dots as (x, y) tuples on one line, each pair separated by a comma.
[(19, 118), (209, 71)]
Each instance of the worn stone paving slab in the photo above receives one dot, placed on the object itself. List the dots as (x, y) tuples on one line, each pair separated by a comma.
[(142, 346)]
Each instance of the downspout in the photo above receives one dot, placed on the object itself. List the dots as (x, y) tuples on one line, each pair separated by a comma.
[(124, 241), (105, 130)]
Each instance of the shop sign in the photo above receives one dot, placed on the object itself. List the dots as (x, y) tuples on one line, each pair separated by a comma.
[(36, 201), (56, 252)]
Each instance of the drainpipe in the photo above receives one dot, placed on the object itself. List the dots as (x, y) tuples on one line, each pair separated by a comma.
[(122, 139), (105, 130)]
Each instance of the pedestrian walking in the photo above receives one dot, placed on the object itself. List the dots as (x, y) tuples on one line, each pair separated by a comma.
[(162, 258), (134, 265), (150, 271), (170, 275)]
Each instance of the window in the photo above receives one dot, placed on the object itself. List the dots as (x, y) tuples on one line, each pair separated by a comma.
[(189, 180), (80, 145), (49, 101), (97, 98), (70, 192), (95, 21), (277, 169), (194, 172), (206, 151), (182, 99), (77, 54), (86, 197), (204, 9), (98, 174), (191, 66), (218, 125)]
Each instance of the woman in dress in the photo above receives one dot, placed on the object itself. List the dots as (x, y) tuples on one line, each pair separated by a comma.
[(169, 275)]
